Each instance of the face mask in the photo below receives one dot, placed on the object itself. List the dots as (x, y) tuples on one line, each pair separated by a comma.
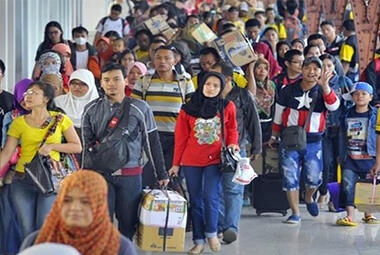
[(80, 40), (50, 69)]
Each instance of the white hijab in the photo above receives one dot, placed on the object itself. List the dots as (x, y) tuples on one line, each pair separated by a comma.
[(50, 248), (74, 106)]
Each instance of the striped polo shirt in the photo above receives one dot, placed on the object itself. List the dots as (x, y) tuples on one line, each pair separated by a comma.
[(165, 99)]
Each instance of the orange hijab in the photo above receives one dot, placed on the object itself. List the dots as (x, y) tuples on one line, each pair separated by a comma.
[(64, 49), (104, 56), (101, 237)]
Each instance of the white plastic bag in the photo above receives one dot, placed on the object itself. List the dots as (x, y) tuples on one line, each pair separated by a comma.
[(244, 173)]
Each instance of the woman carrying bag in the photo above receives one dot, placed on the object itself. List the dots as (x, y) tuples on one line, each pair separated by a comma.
[(30, 205), (198, 149)]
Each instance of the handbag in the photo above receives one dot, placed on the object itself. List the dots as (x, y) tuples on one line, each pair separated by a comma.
[(109, 153), (46, 173), (295, 137), (228, 159)]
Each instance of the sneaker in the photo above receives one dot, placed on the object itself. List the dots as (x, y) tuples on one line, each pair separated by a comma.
[(346, 222), (370, 219), (312, 208), (229, 236), (293, 219)]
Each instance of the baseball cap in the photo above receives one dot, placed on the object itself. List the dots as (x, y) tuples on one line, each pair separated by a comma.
[(244, 6), (363, 86), (226, 7), (310, 60)]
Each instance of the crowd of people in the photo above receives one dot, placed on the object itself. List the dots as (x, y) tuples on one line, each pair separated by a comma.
[(139, 108)]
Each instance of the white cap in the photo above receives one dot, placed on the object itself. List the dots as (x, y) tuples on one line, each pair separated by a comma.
[(244, 6), (49, 249), (226, 7)]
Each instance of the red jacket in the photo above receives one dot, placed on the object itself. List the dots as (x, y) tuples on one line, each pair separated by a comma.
[(198, 141)]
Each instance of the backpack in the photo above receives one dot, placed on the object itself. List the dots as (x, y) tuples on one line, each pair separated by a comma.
[(181, 85), (293, 27)]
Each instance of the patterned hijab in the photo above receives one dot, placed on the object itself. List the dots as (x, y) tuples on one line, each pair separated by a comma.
[(101, 237), (265, 93)]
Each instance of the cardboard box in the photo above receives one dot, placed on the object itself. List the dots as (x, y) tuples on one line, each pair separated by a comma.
[(363, 196), (234, 47), (151, 238), (157, 24), (157, 209), (154, 205), (202, 33)]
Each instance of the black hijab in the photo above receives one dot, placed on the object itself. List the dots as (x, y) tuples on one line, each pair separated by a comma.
[(204, 107)]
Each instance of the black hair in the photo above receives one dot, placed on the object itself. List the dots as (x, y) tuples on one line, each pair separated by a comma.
[(2, 66), (123, 40), (79, 29), (313, 37), (49, 93), (191, 16), (158, 41), (233, 9), (328, 56), (269, 9), (291, 6), (228, 26), (291, 53), (349, 25), (116, 7), (111, 66), (127, 51), (327, 22), (308, 48), (167, 47), (144, 31), (280, 43), (298, 40), (210, 50), (159, 37), (227, 68), (55, 24), (184, 50), (268, 29), (112, 33), (252, 23)]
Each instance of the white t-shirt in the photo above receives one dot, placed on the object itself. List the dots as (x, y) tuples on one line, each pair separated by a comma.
[(120, 26), (82, 59)]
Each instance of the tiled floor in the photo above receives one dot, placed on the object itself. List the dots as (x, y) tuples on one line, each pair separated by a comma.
[(267, 235)]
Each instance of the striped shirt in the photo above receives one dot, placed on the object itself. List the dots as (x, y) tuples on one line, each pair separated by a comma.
[(293, 105), (165, 99)]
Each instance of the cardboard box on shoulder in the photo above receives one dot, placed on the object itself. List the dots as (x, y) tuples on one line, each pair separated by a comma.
[(160, 209), (157, 24), (234, 47), (202, 33)]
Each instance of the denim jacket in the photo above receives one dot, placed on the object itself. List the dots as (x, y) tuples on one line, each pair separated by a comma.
[(340, 85), (371, 136)]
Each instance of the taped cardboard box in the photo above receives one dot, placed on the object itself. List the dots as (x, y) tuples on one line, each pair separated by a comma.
[(202, 33), (234, 47), (157, 24), (365, 199), (162, 219)]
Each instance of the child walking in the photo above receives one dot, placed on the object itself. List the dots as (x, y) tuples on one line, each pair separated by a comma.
[(358, 149)]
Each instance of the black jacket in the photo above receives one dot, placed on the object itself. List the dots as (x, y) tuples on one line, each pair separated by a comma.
[(247, 118)]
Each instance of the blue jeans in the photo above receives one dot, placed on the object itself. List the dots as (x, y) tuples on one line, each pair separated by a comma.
[(350, 178), (30, 206), (124, 194), (203, 186), (231, 201), (311, 160)]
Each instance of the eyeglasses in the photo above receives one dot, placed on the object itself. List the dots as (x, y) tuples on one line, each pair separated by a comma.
[(78, 84), (30, 93)]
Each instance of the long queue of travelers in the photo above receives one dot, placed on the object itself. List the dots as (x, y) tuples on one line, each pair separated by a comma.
[(170, 93)]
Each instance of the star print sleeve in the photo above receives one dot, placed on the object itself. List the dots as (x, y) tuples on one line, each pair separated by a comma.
[(331, 101), (181, 135)]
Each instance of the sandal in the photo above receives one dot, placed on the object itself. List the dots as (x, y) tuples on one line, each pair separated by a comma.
[(370, 219), (346, 222), (214, 244), (197, 249)]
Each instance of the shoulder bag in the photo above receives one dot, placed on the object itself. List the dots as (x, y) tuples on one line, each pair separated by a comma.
[(46, 173), (294, 137)]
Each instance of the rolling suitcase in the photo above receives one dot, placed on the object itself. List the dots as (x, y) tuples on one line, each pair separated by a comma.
[(267, 193)]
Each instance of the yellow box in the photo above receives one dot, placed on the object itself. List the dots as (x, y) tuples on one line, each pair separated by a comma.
[(202, 33), (150, 238)]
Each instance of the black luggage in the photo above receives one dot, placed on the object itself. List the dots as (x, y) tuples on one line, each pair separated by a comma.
[(267, 193)]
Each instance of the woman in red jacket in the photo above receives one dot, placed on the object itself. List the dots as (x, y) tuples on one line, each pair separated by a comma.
[(197, 150)]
